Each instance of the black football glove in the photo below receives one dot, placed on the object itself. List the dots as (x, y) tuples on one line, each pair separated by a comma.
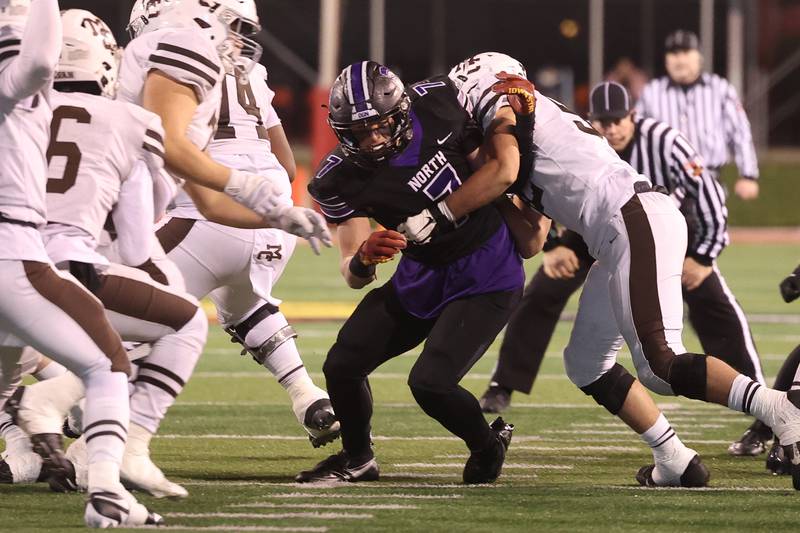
[(790, 287)]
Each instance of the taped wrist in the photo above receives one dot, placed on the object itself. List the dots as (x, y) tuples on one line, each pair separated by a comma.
[(359, 269)]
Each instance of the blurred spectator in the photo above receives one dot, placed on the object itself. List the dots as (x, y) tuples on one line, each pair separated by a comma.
[(627, 74)]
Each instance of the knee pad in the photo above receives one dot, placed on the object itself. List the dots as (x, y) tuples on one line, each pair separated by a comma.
[(262, 352), (687, 375), (611, 389)]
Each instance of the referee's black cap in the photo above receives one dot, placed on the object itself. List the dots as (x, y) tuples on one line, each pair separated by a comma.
[(609, 100), (682, 40)]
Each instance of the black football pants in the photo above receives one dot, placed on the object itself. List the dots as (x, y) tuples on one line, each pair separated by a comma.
[(714, 314), (380, 329)]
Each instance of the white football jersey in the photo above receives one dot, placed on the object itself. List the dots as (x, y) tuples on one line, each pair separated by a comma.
[(24, 132), (245, 116), (187, 58), (241, 140), (577, 178), (95, 146)]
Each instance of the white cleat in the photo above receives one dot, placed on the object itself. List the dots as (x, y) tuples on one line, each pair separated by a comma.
[(787, 430), (117, 508), (314, 411), (139, 472)]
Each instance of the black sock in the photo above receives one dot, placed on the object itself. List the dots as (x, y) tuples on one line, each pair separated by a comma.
[(352, 402), (783, 381), (460, 413)]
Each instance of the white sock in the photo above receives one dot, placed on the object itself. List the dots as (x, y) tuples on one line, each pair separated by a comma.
[(105, 425), (662, 439), (138, 440), (753, 398), (17, 441), (670, 455), (103, 476), (284, 363), (52, 370), (162, 375)]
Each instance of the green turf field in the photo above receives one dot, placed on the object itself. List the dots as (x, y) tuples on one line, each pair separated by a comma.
[(233, 442)]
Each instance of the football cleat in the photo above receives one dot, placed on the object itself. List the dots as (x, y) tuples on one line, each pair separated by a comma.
[(139, 472), (787, 429), (484, 466), (777, 463), (314, 411), (753, 442), (496, 399), (337, 468), (106, 509), (694, 475)]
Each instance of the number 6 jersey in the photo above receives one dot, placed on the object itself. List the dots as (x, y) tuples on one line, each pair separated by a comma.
[(95, 147), (577, 179)]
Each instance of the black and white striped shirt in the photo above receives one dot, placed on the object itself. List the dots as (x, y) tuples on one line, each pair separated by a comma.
[(665, 156), (709, 114)]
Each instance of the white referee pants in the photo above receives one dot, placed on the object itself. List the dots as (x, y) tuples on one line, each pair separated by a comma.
[(633, 293)]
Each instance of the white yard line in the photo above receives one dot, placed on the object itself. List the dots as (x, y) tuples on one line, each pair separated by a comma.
[(277, 516), (700, 489), (578, 448), (345, 506), (509, 466), (177, 527), (398, 496)]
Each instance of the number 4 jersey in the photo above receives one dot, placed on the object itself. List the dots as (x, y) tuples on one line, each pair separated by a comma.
[(577, 178), (95, 146)]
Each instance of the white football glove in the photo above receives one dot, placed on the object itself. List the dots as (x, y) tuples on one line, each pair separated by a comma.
[(303, 222), (253, 191), (419, 228)]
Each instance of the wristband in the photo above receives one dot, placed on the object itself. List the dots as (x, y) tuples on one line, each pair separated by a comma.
[(359, 269)]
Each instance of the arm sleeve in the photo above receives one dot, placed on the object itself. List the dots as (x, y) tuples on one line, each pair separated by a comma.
[(164, 187), (690, 175), (177, 56), (739, 135), (27, 67), (133, 216)]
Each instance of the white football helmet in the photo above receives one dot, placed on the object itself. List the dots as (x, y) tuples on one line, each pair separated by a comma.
[(14, 13), (226, 23), (90, 52)]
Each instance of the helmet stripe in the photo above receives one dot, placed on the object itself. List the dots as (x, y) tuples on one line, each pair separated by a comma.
[(359, 84), (348, 84)]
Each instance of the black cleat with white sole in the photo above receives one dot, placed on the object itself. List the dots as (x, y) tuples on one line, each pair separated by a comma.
[(695, 475), (777, 463), (321, 423), (496, 399), (339, 468), (484, 466), (753, 442)]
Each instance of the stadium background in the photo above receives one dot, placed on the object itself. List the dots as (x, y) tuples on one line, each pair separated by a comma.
[(232, 440)]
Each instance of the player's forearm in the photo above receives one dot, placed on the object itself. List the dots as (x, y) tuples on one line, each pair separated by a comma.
[(33, 69), (282, 150), (192, 164), (497, 174), (219, 208), (529, 229)]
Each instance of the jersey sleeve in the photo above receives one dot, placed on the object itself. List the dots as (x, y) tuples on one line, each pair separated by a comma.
[(27, 65), (474, 78), (133, 216), (323, 189), (270, 116), (188, 59)]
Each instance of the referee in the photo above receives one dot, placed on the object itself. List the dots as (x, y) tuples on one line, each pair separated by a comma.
[(705, 108), (666, 157)]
